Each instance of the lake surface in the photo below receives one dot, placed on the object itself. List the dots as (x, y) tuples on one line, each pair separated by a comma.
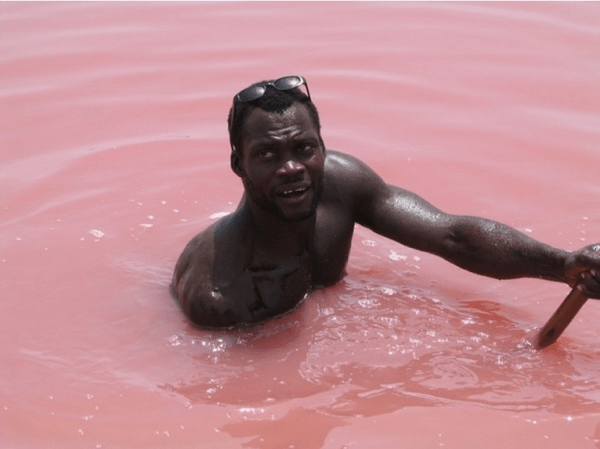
[(114, 153)]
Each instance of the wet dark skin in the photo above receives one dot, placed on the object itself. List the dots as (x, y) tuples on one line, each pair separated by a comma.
[(293, 227)]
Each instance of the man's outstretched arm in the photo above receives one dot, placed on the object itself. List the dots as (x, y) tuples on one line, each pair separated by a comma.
[(476, 244)]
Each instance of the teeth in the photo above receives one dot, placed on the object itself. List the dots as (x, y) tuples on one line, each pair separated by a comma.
[(290, 192)]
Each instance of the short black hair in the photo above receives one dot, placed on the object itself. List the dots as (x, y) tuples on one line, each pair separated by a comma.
[(273, 100)]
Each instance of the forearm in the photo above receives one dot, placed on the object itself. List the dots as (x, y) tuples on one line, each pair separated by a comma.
[(478, 245), (492, 249)]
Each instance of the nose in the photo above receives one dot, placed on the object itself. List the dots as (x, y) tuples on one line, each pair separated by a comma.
[(291, 168)]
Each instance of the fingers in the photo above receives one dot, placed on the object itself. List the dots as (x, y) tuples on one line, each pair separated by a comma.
[(591, 283)]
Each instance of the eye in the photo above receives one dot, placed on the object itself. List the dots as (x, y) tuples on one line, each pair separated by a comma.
[(306, 148), (265, 154)]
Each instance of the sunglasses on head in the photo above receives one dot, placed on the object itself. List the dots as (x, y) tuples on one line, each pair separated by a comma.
[(256, 91)]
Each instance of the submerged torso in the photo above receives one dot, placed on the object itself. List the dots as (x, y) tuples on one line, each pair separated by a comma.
[(240, 282)]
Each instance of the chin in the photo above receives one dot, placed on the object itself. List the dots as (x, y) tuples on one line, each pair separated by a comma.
[(297, 217), (290, 214)]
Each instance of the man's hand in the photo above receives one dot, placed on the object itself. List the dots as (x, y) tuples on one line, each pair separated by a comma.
[(582, 267)]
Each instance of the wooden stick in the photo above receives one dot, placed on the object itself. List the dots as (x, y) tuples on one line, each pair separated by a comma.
[(561, 318)]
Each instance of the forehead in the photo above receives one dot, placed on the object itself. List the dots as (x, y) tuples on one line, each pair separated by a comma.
[(262, 124)]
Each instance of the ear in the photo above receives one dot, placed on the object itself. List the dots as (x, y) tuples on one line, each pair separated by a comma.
[(322, 144), (235, 161)]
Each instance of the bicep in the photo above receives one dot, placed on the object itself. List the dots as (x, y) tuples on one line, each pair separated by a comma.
[(404, 217), (389, 210)]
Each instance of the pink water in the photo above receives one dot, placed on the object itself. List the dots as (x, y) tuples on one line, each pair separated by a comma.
[(114, 153)]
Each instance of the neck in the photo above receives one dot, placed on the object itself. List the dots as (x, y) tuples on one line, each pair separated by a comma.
[(275, 236)]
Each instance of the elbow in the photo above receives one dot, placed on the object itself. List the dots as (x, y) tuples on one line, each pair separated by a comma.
[(460, 249), (457, 245)]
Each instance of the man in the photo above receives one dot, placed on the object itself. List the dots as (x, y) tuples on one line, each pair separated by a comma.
[(293, 226)]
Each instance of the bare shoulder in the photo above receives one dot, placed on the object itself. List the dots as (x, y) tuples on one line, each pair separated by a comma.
[(343, 163), (195, 261), (346, 168), (219, 284), (350, 178), (193, 277)]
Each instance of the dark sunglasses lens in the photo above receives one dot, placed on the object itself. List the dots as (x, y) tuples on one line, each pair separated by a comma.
[(251, 93), (289, 82)]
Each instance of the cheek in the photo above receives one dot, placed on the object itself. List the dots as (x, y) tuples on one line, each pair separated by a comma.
[(257, 178)]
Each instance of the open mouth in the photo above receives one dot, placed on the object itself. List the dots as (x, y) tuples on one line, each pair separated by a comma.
[(293, 193)]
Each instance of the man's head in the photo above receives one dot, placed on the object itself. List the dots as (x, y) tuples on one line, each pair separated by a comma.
[(277, 96), (278, 152)]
